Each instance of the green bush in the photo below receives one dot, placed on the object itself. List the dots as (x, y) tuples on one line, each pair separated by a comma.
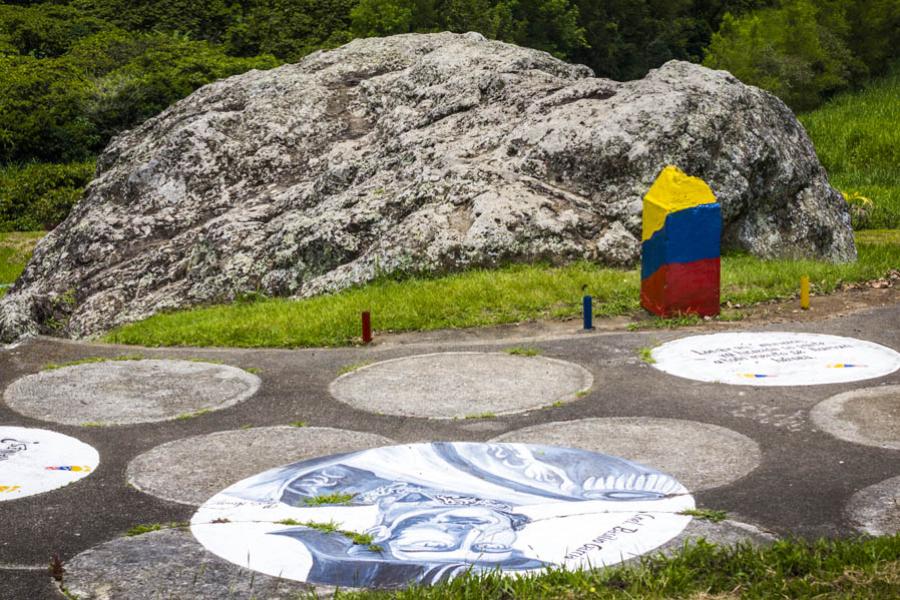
[(136, 76), (67, 108), (42, 111), (39, 196), (45, 30), (805, 51), (796, 51)]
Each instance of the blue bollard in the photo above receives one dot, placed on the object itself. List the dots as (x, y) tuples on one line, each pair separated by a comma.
[(587, 310)]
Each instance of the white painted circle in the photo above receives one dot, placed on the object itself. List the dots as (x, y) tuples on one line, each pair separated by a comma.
[(34, 461), (775, 358), (438, 510)]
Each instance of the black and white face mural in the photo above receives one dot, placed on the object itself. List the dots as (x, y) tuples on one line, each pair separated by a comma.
[(429, 512), (775, 358), (33, 461)]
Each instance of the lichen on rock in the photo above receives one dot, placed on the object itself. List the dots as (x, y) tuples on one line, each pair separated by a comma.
[(422, 153)]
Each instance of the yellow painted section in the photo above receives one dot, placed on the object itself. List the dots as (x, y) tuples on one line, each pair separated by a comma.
[(804, 292), (672, 191)]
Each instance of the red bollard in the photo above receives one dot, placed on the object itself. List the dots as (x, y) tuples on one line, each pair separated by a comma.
[(366, 327)]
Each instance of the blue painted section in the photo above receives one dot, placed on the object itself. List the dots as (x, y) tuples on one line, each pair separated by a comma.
[(587, 309), (689, 235)]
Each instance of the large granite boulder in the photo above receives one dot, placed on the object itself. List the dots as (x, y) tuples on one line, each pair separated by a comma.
[(415, 153)]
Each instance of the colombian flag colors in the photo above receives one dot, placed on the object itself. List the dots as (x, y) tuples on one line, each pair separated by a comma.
[(680, 246)]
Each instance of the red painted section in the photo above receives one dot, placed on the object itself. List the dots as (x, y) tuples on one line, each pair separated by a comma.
[(683, 288), (366, 327)]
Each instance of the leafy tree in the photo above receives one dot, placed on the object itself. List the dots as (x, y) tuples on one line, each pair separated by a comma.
[(137, 76), (550, 25), (796, 51), (38, 196), (44, 30), (42, 110)]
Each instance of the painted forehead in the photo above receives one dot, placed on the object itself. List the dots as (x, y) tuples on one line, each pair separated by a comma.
[(450, 472)]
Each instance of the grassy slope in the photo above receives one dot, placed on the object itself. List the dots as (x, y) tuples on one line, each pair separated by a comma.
[(15, 250), (867, 568), (857, 138), (477, 298)]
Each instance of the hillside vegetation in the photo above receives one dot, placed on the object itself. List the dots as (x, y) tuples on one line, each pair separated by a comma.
[(857, 138), (76, 72)]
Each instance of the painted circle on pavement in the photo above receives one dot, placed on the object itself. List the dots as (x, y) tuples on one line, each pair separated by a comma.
[(125, 392), (425, 513), (457, 385), (869, 416), (34, 461), (775, 358)]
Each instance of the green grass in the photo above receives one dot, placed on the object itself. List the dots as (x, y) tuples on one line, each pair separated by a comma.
[(337, 498), (353, 367), (826, 570), (484, 415), (359, 539), (666, 323), (148, 527), (706, 514), (646, 355), (192, 415), (91, 360), (479, 298), (15, 250), (858, 141), (523, 351)]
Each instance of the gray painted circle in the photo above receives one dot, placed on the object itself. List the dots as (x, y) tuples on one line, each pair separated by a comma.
[(724, 533), (456, 385), (869, 416), (876, 509), (126, 392), (775, 358), (168, 563), (191, 470), (700, 455), (438, 510)]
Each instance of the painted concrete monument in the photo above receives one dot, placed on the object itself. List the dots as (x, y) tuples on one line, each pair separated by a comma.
[(424, 513), (775, 358), (34, 461), (682, 228)]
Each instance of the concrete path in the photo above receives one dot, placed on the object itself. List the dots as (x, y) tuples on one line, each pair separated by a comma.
[(817, 460)]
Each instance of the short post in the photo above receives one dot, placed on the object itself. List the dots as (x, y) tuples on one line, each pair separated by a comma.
[(804, 292), (366, 327), (680, 248), (587, 309)]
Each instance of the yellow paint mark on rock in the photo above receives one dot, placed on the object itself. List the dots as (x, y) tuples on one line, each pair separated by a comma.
[(672, 191)]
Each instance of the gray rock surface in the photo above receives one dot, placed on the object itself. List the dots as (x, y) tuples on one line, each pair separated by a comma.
[(412, 153)]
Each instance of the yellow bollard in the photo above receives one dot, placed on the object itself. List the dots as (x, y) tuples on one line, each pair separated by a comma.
[(804, 292)]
